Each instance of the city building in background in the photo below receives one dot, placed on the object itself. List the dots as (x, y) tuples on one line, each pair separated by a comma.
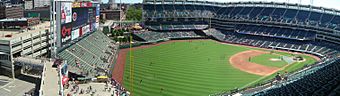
[(42, 12), (18, 23), (32, 41), (11, 11), (41, 3), (111, 11), (111, 14), (17, 1), (28, 4)]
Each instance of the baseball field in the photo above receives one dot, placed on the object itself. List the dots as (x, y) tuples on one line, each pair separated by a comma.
[(198, 67)]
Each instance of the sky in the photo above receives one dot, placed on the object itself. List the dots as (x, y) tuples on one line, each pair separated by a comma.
[(324, 3)]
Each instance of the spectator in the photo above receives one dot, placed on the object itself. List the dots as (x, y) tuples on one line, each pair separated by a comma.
[(278, 77), (285, 77)]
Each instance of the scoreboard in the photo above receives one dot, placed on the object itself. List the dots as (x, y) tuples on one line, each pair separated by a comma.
[(75, 20)]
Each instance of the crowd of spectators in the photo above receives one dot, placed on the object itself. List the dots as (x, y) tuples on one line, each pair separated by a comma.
[(320, 80), (276, 32), (321, 49), (108, 88), (178, 13), (156, 36), (215, 33), (178, 26)]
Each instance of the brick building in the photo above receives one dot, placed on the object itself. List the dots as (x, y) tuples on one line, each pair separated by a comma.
[(11, 11)]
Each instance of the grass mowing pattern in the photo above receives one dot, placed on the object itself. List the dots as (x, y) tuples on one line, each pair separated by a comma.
[(186, 68), (264, 59), (196, 68)]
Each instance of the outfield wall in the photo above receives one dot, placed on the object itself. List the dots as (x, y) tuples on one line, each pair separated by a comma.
[(158, 41)]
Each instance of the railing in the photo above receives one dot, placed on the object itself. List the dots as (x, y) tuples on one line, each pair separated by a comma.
[(113, 60), (60, 84), (43, 74)]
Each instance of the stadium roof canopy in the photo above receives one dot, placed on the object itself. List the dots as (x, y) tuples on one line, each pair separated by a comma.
[(248, 3), (331, 4)]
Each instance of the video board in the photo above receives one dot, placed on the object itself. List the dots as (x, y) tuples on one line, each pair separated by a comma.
[(76, 20)]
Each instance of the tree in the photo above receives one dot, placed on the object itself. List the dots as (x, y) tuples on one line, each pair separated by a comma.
[(115, 39), (126, 38), (113, 33), (134, 14), (106, 30), (121, 32)]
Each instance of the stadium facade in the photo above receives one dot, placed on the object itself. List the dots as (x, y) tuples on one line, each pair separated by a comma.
[(283, 26), (320, 23)]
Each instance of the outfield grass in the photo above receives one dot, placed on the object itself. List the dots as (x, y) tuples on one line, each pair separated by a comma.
[(196, 68), (264, 59)]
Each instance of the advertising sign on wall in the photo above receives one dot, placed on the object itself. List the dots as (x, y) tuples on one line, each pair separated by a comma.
[(80, 31), (75, 20), (85, 4), (75, 34), (82, 4), (66, 30), (86, 29), (92, 15), (97, 13), (66, 12), (97, 10), (75, 4)]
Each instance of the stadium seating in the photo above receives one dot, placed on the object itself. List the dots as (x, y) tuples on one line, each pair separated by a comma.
[(182, 25), (215, 33), (275, 32), (152, 36), (277, 14), (281, 15), (93, 54), (170, 11), (320, 80), (320, 49)]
